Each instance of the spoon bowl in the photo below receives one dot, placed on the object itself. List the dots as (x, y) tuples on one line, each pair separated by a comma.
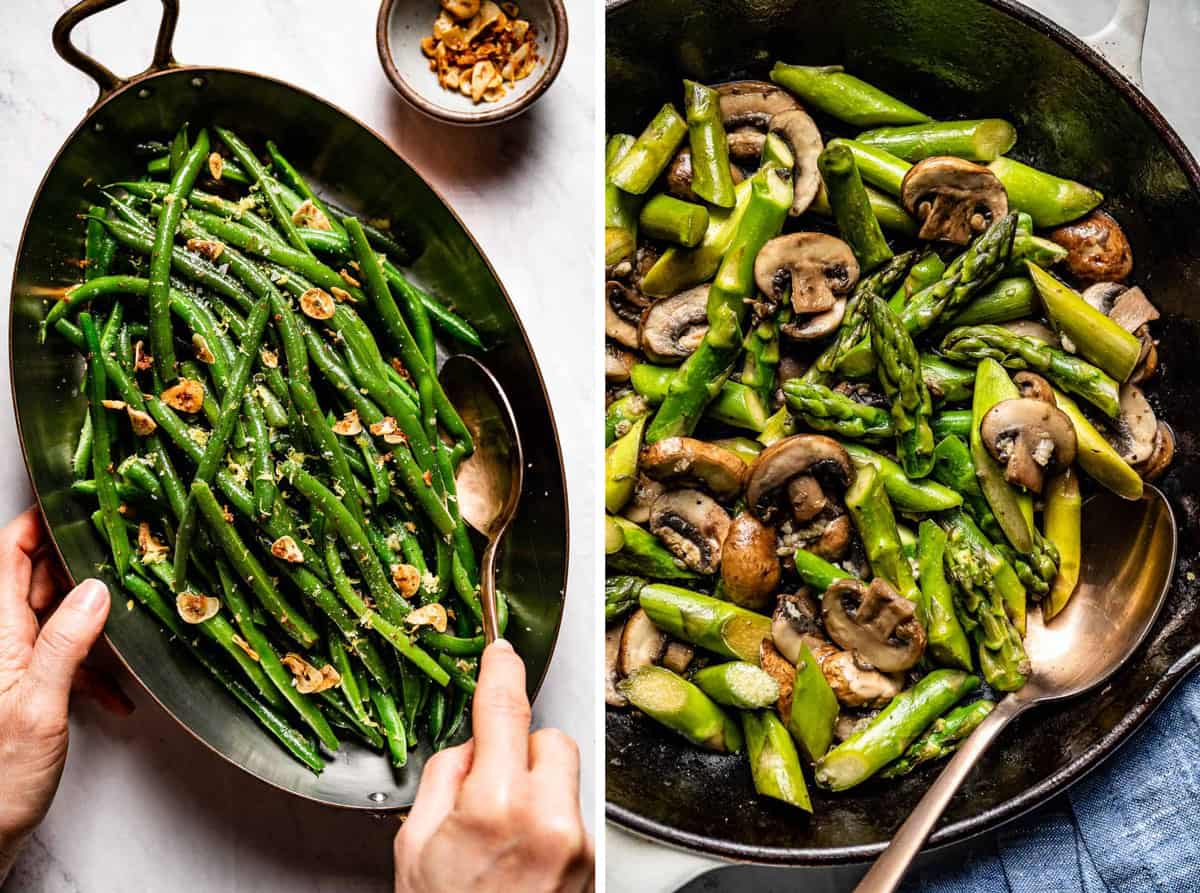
[(1127, 558), (489, 480)]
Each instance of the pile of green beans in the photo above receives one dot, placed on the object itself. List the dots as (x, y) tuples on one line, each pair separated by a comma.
[(269, 448)]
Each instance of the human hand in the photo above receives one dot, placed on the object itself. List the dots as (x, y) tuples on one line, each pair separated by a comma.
[(40, 658), (500, 812)]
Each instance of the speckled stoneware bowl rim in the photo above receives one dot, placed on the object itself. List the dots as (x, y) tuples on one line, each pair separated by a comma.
[(483, 114), (1090, 759)]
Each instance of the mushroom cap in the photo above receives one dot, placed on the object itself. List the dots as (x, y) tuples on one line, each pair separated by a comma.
[(750, 568), (803, 137), (782, 671), (745, 144), (1131, 310), (806, 497), (671, 329), (692, 462), (679, 176), (1034, 387), (623, 308), (752, 103), (1031, 438), (1164, 452), (856, 685), (612, 650), (955, 200), (1134, 435), (617, 363), (693, 526), (645, 491), (1096, 248), (642, 643), (677, 656), (799, 454), (796, 622), (819, 325), (834, 541), (1031, 328), (875, 622), (817, 268)]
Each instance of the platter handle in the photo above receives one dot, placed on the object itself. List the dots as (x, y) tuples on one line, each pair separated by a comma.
[(1122, 40), (101, 74)]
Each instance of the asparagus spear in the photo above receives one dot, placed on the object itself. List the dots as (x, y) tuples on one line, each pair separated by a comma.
[(971, 344), (638, 168), (824, 409), (614, 537), (774, 764), (1012, 510), (720, 627), (899, 370), (1096, 455), (1063, 521), (620, 208), (816, 572), (681, 707), (672, 220), (621, 415), (980, 140), (844, 96), (1048, 199), (698, 380), (738, 684), (1035, 250), (1094, 334), (947, 642), (641, 553), (621, 596), (761, 348), (923, 273), (891, 732), (889, 212), (620, 467), (851, 206), (735, 404), (1003, 301), (877, 166), (946, 382), (906, 494), (711, 179), (814, 707), (868, 504), (942, 738)]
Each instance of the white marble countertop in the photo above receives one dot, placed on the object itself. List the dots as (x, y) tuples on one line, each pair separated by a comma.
[(142, 806), (1171, 67)]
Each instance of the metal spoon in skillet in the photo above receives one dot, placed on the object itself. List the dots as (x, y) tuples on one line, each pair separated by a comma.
[(489, 480), (1128, 555)]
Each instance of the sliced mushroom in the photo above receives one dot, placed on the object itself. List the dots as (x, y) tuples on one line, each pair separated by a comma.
[(693, 526), (679, 175), (806, 496), (623, 308), (1164, 452), (750, 568), (819, 325), (677, 656), (795, 623), (745, 144), (642, 643), (782, 671), (851, 724), (1131, 310), (1030, 438), (834, 540), (752, 103), (672, 329), (803, 137), (612, 651), (617, 363), (815, 268), (954, 200), (691, 462), (800, 454), (1097, 249), (1031, 328), (645, 491), (1034, 387), (1134, 435), (875, 622)]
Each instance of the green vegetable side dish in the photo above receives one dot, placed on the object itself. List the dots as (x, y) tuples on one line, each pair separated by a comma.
[(268, 452), (895, 310)]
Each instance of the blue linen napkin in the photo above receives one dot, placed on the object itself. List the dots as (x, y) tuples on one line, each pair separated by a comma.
[(1131, 826)]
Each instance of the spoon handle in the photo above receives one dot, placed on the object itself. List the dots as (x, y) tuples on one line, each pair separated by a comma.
[(487, 593), (887, 872)]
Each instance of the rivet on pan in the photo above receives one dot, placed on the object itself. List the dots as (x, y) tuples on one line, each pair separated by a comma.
[(377, 797), (198, 82), (144, 93)]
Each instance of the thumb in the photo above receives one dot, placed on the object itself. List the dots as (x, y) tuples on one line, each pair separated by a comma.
[(65, 640)]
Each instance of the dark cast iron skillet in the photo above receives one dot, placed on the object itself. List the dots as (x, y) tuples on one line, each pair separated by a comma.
[(1077, 117), (347, 159)]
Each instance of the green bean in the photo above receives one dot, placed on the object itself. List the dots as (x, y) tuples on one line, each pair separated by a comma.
[(245, 156), (461, 671), (230, 170), (393, 727)]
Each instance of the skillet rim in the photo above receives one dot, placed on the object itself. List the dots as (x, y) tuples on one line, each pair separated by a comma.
[(175, 69), (1089, 760)]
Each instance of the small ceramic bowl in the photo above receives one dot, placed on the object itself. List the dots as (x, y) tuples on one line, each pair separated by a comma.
[(403, 23)]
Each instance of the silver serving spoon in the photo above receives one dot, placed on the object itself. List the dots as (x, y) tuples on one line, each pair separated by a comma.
[(1128, 555), (489, 480)]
